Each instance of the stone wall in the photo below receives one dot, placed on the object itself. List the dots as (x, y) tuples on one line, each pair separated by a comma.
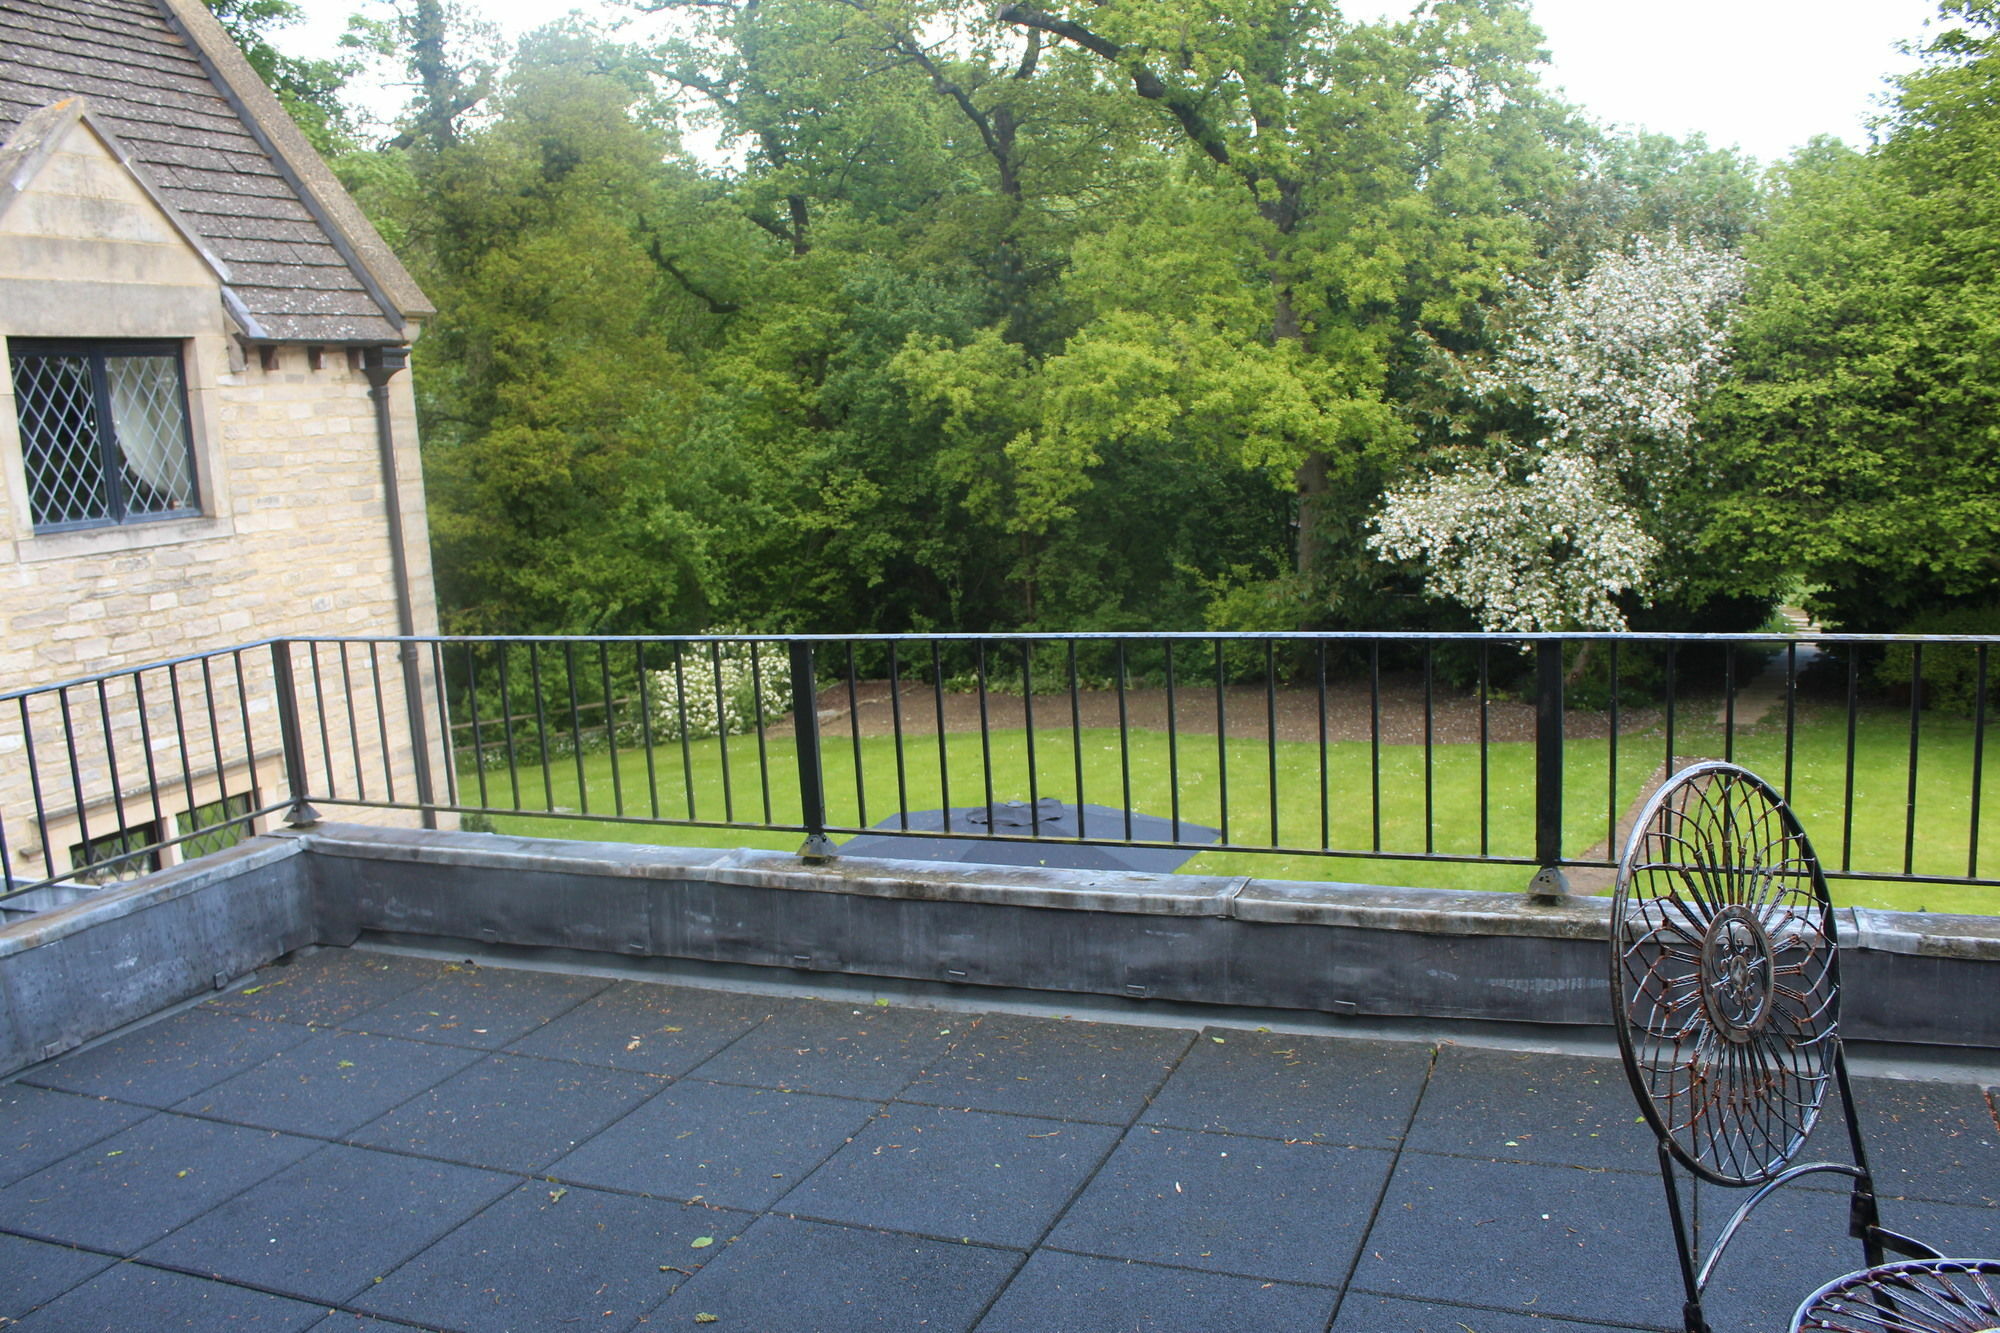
[(290, 539)]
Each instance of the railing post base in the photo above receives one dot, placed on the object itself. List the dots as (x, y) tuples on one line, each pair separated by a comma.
[(819, 849), (301, 815), (1549, 885)]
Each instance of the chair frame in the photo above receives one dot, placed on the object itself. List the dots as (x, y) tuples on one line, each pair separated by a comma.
[(1725, 994)]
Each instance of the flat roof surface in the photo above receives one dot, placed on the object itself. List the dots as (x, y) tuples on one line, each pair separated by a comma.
[(365, 1139)]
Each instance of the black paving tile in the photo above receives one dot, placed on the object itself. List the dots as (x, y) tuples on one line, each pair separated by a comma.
[(1069, 1293), (328, 986), (171, 1060), (331, 1084), (1556, 1240), (329, 1226), (341, 1322), (1361, 1313), (546, 1253), (1279, 1211), (510, 1112), (39, 1127), (649, 1028), (33, 1273), (133, 1296), (1294, 1087), (969, 1174), (787, 1276), (738, 1147), (852, 1050), (1931, 1140), (140, 1183), (481, 1007), (1051, 1066), (1532, 1108)]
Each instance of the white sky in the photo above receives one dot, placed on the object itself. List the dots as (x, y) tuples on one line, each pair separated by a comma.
[(1764, 75)]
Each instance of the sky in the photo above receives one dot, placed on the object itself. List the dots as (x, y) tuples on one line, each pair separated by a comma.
[(1761, 75)]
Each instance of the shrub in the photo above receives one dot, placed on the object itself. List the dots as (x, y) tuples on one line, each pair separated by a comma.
[(1950, 670), (751, 673)]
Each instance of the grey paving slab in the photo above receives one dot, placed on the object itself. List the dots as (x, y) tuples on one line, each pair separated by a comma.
[(482, 1007), (1255, 1207), (510, 1112), (342, 1322), (33, 1273), (1069, 1293), (1532, 1108), (1525, 1237), (650, 1028), (133, 1296), (964, 1174), (789, 1276), (821, 1046), (545, 1253), (138, 1184), (331, 1084), (1362, 1313), (39, 1127), (733, 1146), (327, 986), (171, 1060), (1294, 1087), (1051, 1066), (327, 1227)]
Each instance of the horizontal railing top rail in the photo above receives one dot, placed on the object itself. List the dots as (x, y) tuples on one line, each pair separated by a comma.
[(1453, 756)]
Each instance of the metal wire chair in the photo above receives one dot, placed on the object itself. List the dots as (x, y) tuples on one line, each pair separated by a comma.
[(1725, 986)]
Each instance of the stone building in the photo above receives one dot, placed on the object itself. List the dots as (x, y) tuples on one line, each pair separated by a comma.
[(207, 435)]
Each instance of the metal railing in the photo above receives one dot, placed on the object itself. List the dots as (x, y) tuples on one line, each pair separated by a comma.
[(1460, 758)]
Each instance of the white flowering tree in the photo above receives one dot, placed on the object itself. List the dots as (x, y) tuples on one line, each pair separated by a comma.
[(755, 685), (1613, 367)]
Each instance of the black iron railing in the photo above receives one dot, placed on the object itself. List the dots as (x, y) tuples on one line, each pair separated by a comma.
[(1490, 761)]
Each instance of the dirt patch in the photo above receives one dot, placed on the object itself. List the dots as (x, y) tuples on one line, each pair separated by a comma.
[(1398, 713)]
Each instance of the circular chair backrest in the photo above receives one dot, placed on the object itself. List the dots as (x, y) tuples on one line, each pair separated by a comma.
[(1724, 976)]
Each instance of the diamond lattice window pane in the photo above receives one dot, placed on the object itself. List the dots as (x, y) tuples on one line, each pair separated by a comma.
[(151, 430), (60, 440)]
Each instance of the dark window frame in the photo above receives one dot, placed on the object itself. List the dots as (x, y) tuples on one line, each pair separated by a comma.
[(110, 454)]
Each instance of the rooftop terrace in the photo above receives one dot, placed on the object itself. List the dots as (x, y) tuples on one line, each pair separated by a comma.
[(375, 1139)]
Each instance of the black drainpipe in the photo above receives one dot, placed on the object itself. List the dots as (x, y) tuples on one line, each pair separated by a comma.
[(380, 365)]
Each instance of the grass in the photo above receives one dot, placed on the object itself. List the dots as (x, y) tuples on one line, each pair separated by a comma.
[(1449, 822)]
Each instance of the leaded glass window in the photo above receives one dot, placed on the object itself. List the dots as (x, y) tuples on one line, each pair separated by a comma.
[(104, 432)]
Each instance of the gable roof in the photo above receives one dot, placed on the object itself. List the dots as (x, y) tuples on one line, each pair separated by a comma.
[(170, 94)]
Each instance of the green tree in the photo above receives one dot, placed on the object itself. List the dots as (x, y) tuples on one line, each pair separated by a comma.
[(1865, 423), (309, 89)]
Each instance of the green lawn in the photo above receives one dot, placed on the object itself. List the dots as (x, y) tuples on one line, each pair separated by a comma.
[(1942, 825)]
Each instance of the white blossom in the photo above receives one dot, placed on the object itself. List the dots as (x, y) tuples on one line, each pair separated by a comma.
[(690, 692), (1548, 535), (1550, 551)]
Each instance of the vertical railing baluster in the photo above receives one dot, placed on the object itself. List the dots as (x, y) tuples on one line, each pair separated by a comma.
[(541, 724), (1375, 744), (805, 732), (319, 708), (1910, 795), (611, 728), (382, 724), (1729, 703), (1222, 742), (161, 833), (478, 738), (181, 742), (896, 728), (1028, 732), (444, 732), (1076, 742), (681, 711), (1325, 789), (646, 725), (1847, 800), (1124, 744), (757, 711), (35, 787), (353, 725), (1173, 744), (854, 738), (1978, 760), (1611, 765), (1271, 733), (1430, 749), (1485, 742), (575, 726), (722, 732), (111, 758), (1791, 714), (937, 698), (291, 736), (985, 736), (1548, 880), (506, 723)]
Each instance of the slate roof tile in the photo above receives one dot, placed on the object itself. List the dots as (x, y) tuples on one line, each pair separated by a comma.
[(149, 88)]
